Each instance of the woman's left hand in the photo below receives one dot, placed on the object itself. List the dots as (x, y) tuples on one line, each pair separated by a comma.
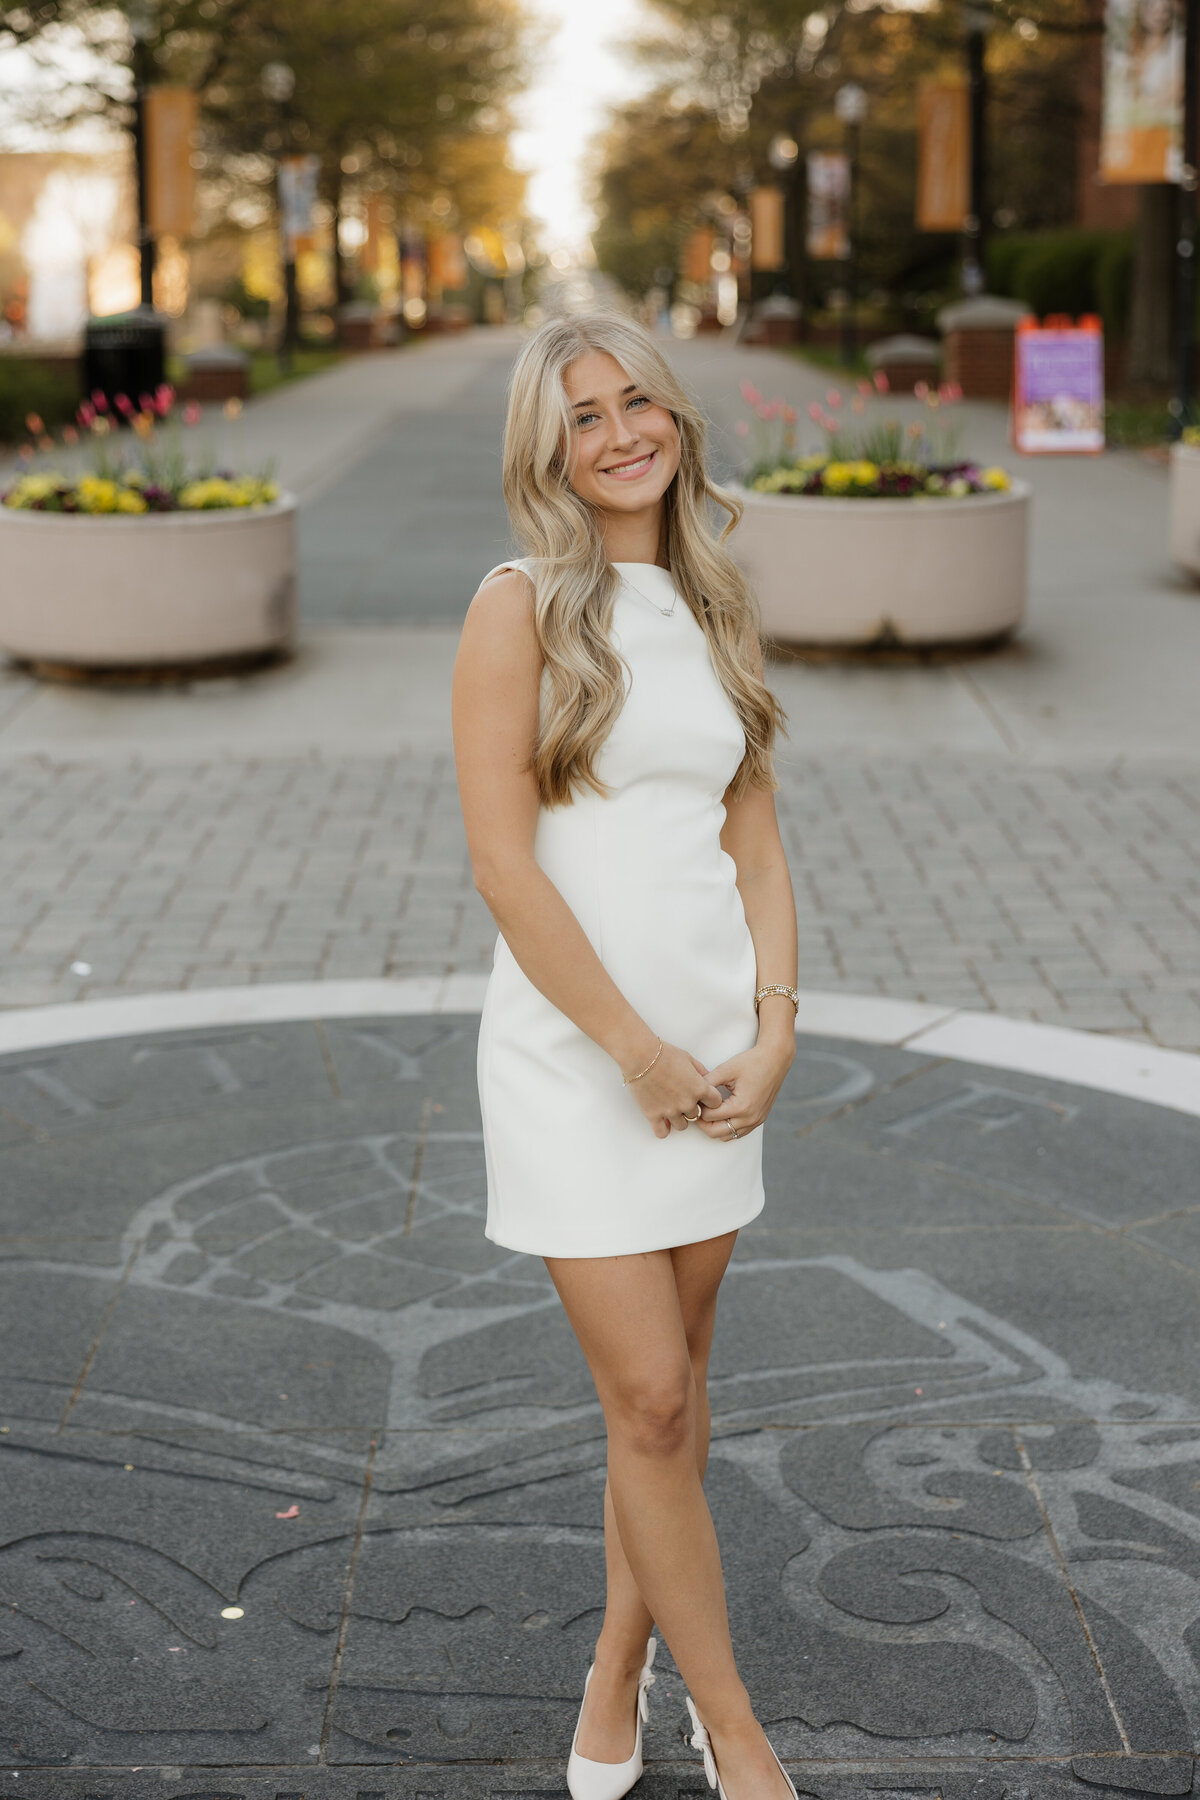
[(754, 1079)]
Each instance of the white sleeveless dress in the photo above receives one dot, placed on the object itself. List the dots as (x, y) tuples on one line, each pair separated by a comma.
[(573, 1165)]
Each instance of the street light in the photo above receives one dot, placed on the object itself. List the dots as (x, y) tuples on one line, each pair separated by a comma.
[(143, 23), (1185, 245), (978, 20), (850, 105)]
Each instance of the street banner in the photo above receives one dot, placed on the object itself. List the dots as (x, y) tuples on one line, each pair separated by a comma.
[(943, 156), (298, 178), (697, 256), (1142, 131), (827, 235), (767, 229), (170, 177), (1058, 387)]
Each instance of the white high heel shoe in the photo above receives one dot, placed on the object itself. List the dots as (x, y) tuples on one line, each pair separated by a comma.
[(700, 1740), (588, 1780)]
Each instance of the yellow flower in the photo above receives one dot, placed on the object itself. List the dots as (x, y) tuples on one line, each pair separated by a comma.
[(135, 478), (838, 477), (96, 495), (32, 488), (130, 501), (996, 478), (959, 487), (1191, 434)]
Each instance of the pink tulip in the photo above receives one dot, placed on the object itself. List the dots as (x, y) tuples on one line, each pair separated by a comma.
[(146, 403), (946, 392), (742, 429), (192, 412), (833, 398), (880, 381), (789, 415), (87, 413), (100, 400), (70, 435), (865, 389), (767, 410), (34, 425), (750, 394), (124, 405), (921, 389), (164, 395), (814, 411)]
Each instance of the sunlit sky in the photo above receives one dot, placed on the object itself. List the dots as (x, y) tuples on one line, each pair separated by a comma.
[(584, 68)]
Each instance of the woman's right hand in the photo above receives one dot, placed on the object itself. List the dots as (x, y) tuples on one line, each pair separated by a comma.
[(675, 1087)]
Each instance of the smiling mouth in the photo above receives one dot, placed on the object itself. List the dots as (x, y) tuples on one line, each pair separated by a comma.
[(630, 471)]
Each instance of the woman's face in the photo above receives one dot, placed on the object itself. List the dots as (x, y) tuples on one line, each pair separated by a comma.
[(625, 447)]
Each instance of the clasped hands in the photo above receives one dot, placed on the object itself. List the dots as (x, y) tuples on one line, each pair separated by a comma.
[(671, 1092)]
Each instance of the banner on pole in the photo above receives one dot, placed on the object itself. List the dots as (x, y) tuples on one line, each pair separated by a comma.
[(827, 233), (1142, 132), (170, 177), (298, 177), (1058, 387), (697, 256), (767, 231), (943, 156)]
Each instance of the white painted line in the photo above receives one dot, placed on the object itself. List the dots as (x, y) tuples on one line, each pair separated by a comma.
[(1110, 1065), (1114, 1065)]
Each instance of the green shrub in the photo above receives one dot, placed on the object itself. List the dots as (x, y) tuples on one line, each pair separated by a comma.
[(1071, 270), (28, 387)]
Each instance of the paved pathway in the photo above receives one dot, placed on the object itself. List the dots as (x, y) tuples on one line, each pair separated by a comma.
[(303, 1478)]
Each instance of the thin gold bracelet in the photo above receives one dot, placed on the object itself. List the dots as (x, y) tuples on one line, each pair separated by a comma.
[(628, 1078), (777, 988)]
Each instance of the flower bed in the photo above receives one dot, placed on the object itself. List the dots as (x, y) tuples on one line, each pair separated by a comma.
[(887, 537), (151, 562)]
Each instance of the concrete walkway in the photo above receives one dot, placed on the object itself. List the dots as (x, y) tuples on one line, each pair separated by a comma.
[(1019, 832)]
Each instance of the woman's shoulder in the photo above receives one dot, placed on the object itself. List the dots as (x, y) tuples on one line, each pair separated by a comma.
[(520, 565), (502, 610)]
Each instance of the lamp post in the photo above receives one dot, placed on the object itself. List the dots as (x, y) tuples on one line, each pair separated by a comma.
[(784, 157), (978, 20), (143, 23), (850, 105), (278, 85)]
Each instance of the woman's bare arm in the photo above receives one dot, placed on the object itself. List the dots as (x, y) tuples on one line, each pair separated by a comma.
[(497, 675), (751, 836)]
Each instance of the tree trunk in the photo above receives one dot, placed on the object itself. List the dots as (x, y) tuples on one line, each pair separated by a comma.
[(1151, 363), (341, 268)]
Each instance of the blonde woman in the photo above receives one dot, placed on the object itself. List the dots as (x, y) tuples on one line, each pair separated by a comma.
[(613, 739)]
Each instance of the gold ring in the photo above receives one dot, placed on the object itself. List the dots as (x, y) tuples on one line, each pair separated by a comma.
[(692, 1117)]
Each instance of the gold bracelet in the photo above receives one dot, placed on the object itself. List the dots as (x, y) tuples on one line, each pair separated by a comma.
[(628, 1078), (778, 988)]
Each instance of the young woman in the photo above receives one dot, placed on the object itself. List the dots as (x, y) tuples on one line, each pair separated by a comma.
[(613, 739)]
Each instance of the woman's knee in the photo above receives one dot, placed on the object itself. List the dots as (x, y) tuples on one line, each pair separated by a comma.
[(655, 1414)]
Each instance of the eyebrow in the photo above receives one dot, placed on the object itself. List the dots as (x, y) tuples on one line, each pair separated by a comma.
[(631, 389)]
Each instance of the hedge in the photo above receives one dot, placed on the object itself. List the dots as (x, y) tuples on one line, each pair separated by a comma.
[(29, 387), (1066, 271)]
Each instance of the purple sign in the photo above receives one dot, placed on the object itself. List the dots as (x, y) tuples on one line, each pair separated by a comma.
[(1058, 401)]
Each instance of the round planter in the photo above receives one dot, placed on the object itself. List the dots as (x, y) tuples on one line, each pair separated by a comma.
[(1185, 507), (851, 573), (149, 591)]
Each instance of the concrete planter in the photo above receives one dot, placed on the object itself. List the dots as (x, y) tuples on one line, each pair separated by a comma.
[(147, 591), (847, 573), (1185, 507)]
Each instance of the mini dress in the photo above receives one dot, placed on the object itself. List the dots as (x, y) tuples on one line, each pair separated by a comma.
[(573, 1165)]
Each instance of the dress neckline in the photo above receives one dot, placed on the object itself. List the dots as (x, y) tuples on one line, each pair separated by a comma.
[(657, 579)]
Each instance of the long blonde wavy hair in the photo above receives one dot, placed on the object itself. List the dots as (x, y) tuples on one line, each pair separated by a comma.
[(575, 584)]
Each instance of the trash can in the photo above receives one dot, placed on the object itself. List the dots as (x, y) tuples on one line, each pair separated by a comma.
[(125, 353)]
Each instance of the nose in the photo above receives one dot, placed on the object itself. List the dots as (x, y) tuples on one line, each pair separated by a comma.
[(621, 433)]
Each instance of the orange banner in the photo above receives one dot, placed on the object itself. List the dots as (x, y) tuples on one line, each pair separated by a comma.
[(943, 156), (697, 256), (766, 228), (170, 177)]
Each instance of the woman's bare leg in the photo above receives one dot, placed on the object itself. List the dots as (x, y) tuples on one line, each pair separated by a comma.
[(628, 1315)]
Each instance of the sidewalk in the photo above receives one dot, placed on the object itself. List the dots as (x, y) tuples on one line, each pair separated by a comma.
[(1018, 832)]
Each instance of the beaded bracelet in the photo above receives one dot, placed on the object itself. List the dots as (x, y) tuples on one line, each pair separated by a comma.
[(628, 1078), (777, 988)]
